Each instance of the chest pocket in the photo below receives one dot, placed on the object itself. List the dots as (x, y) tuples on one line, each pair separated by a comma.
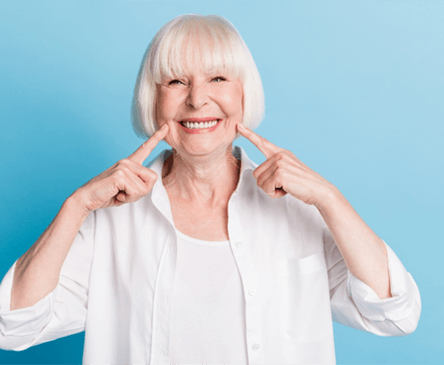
[(304, 299)]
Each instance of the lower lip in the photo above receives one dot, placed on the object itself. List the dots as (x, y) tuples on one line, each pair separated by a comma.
[(198, 131)]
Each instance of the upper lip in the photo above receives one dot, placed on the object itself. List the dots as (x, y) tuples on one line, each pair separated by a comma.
[(199, 120)]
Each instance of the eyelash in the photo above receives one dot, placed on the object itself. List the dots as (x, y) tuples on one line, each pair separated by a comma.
[(220, 78)]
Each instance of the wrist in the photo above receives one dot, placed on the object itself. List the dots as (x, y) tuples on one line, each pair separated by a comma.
[(329, 197), (76, 204)]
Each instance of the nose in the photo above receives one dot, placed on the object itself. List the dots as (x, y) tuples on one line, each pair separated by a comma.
[(197, 97)]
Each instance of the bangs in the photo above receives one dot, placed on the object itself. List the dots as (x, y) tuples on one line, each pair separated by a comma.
[(209, 45)]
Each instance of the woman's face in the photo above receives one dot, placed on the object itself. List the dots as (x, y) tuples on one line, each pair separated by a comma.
[(201, 109)]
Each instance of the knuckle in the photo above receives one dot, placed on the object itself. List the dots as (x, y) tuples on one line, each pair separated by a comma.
[(279, 175), (118, 182), (119, 174), (291, 154), (280, 163), (153, 175), (281, 154), (124, 164)]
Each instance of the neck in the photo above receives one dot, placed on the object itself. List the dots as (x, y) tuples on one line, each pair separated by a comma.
[(203, 178)]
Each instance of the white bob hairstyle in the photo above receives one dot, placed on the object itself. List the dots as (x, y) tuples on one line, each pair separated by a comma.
[(220, 47)]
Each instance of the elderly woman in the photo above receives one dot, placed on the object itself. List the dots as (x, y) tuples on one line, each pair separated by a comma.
[(205, 257)]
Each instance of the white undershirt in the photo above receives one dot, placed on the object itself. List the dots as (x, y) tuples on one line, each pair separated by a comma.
[(207, 312)]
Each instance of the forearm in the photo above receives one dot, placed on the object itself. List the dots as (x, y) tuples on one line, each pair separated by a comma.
[(363, 251), (37, 271)]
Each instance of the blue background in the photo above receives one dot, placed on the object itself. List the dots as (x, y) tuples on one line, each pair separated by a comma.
[(354, 88)]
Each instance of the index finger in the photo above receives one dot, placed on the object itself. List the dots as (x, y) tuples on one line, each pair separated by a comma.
[(265, 146), (147, 147)]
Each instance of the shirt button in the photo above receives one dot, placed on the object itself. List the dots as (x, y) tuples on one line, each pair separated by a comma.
[(256, 346), (239, 244), (252, 292)]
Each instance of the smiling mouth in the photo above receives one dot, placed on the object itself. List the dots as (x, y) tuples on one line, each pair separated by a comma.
[(199, 125)]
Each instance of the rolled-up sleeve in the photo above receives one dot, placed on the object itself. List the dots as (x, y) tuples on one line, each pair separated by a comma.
[(356, 305), (60, 313), (19, 327)]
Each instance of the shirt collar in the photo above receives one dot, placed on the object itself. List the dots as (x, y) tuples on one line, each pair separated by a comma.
[(159, 195)]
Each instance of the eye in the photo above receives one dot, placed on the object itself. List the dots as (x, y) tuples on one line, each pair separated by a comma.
[(175, 82), (219, 79)]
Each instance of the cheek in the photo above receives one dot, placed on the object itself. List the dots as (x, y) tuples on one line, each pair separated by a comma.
[(172, 136), (166, 101), (161, 108), (234, 107), (234, 103)]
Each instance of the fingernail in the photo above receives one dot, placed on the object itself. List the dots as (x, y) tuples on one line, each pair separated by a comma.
[(240, 126), (164, 126)]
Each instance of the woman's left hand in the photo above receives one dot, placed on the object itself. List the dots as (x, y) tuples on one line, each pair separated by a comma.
[(363, 251), (284, 173)]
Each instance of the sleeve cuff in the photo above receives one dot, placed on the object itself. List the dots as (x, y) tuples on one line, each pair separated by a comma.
[(405, 294), (23, 321)]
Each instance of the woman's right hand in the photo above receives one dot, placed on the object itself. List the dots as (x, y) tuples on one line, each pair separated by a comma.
[(125, 182), (37, 272)]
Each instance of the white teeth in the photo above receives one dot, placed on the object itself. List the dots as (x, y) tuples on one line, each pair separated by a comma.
[(202, 125)]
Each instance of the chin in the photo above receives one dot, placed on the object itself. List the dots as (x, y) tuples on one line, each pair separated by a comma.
[(205, 148), (201, 144)]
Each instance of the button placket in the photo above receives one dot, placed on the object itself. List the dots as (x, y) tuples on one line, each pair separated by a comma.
[(247, 271), (162, 292)]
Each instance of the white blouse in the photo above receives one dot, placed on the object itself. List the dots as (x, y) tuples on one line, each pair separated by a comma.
[(117, 283), (207, 307)]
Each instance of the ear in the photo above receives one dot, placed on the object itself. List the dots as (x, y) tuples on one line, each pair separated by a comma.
[(154, 112)]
